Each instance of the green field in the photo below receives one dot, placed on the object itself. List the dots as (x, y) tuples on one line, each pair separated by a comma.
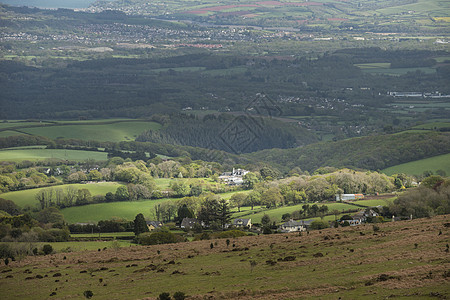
[(398, 71), (25, 147), (369, 66), (114, 132), (17, 123), (419, 8), (163, 183), (276, 213), (179, 69), (433, 125), (440, 162), (375, 202), (102, 235), (6, 133), (385, 68), (442, 59), (27, 197), (41, 154), (225, 72), (106, 211)]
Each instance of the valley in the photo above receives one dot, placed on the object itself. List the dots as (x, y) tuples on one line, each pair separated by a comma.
[(224, 150)]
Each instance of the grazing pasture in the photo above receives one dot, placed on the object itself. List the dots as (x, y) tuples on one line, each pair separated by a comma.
[(440, 162), (433, 125), (376, 202), (18, 123), (370, 68), (115, 131), (42, 154), (27, 197), (125, 210), (406, 259), (6, 133), (105, 211), (102, 235)]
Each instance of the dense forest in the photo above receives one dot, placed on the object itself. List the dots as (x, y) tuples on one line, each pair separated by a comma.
[(225, 132)]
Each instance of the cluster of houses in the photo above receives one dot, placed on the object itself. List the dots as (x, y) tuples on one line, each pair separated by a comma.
[(190, 223), (288, 226), (435, 95), (361, 217)]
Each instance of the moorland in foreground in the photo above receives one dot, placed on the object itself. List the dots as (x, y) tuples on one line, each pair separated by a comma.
[(396, 259)]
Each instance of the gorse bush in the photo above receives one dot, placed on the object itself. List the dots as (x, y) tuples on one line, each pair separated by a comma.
[(156, 238)]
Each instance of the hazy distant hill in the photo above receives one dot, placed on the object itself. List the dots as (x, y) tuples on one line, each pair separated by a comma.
[(320, 15)]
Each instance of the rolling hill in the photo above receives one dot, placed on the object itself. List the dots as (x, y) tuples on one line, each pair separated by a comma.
[(371, 152)]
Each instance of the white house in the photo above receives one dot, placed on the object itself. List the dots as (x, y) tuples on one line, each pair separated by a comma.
[(361, 217), (293, 226), (242, 223), (235, 177)]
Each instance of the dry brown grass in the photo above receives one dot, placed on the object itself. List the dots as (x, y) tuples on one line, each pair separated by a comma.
[(351, 262)]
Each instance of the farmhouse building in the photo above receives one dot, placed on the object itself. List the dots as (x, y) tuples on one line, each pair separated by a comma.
[(364, 214), (348, 197), (233, 178), (189, 223), (294, 226), (242, 223), (152, 225), (361, 217)]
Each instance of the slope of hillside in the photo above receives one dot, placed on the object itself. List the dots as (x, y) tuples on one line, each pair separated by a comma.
[(401, 259), (371, 152), (433, 164)]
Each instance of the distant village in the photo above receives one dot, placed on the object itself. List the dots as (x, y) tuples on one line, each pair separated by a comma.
[(435, 95)]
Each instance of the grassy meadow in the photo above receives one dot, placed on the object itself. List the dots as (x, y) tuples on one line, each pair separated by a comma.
[(440, 162), (394, 262), (7, 133), (106, 211), (27, 197), (433, 125), (102, 235), (21, 123), (42, 154), (375, 202), (112, 131), (397, 71)]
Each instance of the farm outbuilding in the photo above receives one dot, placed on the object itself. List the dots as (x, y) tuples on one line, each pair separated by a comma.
[(348, 197)]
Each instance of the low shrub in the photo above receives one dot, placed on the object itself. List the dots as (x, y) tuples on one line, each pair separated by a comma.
[(160, 237), (47, 249)]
